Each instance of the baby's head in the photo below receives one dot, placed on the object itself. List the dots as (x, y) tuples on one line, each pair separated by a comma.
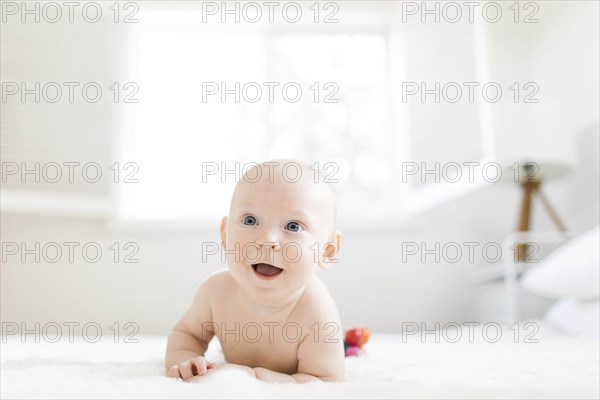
[(281, 226)]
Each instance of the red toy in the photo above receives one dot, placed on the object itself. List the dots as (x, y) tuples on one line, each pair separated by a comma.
[(357, 336), (354, 340)]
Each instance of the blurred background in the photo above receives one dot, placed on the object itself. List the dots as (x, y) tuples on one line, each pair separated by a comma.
[(144, 94)]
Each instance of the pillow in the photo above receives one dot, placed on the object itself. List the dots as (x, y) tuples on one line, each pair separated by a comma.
[(572, 270), (574, 317)]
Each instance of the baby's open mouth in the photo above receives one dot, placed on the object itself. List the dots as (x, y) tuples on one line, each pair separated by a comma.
[(266, 270)]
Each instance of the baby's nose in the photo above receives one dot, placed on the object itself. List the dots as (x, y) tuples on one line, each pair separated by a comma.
[(269, 239), (272, 244)]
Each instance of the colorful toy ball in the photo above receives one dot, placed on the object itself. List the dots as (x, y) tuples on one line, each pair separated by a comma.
[(354, 339), (357, 337), (352, 351)]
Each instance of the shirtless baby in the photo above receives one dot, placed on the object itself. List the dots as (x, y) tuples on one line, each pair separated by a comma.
[(273, 316)]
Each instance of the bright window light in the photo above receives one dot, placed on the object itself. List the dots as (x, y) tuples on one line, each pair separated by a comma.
[(363, 128)]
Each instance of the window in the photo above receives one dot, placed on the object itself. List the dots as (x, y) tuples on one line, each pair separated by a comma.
[(350, 112)]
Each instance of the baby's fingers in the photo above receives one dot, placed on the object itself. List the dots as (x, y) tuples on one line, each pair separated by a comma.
[(200, 364), (186, 370), (173, 372)]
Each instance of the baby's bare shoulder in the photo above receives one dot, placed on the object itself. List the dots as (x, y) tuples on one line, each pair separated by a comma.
[(202, 309), (316, 304), (216, 284)]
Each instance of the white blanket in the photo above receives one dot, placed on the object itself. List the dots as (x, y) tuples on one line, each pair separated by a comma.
[(557, 367)]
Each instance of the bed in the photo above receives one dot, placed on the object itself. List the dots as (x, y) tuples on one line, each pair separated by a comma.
[(557, 366)]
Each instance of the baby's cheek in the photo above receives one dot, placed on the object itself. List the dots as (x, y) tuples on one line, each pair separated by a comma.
[(312, 252), (304, 257), (234, 248)]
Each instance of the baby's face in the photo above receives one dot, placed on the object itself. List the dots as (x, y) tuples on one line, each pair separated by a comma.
[(277, 232)]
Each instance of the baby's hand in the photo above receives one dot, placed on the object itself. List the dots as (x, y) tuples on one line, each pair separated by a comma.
[(187, 370)]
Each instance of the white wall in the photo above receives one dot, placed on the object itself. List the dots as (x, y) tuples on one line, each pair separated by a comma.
[(559, 54), (154, 292)]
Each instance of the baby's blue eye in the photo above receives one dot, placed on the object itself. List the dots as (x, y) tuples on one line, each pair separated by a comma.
[(249, 220), (293, 226)]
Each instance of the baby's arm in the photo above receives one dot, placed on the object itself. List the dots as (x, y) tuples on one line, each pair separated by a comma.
[(320, 358), (189, 339)]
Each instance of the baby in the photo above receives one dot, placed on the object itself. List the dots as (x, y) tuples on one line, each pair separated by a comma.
[(273, 316)]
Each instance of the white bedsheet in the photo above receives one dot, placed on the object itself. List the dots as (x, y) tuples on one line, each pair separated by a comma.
[(556, 367)]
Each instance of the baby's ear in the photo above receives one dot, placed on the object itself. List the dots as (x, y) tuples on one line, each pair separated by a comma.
[(223, 231), (331, 250)]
